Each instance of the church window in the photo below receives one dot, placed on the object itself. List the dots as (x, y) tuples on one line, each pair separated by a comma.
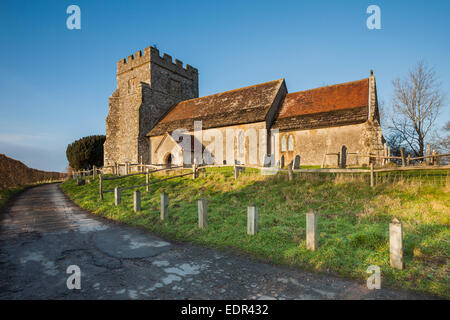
[(291, 143), (283, 143), (241, 142), (131, 84)]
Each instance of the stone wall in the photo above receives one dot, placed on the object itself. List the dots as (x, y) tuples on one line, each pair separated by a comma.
[(311, 145), (254, 149), (148, 85)]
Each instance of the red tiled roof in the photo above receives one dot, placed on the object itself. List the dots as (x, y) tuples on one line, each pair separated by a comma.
[(338, 104), (331, 98), (239, 106)]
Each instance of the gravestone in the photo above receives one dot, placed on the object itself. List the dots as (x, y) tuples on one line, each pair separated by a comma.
[(343, 157), (267, 160), (297, 162)]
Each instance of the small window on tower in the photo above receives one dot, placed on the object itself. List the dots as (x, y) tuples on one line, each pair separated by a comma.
[(131, 84)]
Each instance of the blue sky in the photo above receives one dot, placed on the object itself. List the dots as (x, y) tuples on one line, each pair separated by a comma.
[(55, 82)]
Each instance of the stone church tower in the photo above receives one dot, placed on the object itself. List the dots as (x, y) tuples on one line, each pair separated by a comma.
[(148, 85)]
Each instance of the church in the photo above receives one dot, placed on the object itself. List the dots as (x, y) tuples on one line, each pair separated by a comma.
[(156, 117)]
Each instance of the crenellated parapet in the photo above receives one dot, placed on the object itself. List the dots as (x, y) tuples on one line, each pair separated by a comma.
[(148, 85), (151, 54)]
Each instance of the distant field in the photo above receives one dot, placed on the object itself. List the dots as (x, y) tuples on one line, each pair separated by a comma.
[(353, 220)]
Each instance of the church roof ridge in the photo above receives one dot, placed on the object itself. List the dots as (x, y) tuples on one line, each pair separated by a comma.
[(233, 90)]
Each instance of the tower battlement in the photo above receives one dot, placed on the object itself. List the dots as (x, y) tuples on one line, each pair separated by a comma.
[(151, 54), (148, 85)]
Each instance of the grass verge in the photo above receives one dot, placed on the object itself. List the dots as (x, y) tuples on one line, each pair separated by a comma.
[(6, 194), (353, 221)]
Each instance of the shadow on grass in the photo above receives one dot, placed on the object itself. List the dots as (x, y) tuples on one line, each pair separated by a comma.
[(353, 221)]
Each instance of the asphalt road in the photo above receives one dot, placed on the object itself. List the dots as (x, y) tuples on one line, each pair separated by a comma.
[(42, 233)]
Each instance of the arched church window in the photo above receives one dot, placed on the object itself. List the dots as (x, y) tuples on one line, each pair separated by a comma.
[(291, 143), (241, 142), (283, 143)]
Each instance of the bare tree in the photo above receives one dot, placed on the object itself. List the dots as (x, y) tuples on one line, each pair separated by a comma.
[(441, 142), (416, 105)]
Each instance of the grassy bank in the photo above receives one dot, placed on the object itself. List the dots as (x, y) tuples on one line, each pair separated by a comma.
[(6, 194), (353, 221)]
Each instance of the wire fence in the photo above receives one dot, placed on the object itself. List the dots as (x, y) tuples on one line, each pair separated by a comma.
[(421, 177), (425, 175)]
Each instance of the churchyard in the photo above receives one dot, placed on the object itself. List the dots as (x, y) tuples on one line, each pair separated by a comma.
[(353, 218)]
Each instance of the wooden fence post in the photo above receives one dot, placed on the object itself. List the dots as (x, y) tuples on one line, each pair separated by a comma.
[(396, 244), (202, 213), (94, 171), (137, 200), (147, 180), (311, 230), (164, 206), (100, 186), (252, 220), (389, 155), (402, 153), (117, 196), (236, 172), (194, 171), (372, 183), (408, 160), (290, 173), (428, 154)]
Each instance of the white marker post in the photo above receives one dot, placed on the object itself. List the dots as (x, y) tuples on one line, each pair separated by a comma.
[(137, 200), (252, 220), (311, 230), (202, 213), (117, 196), (396, 244), (164, 206)]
